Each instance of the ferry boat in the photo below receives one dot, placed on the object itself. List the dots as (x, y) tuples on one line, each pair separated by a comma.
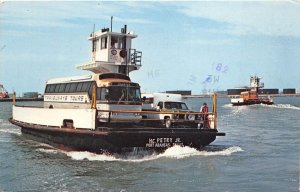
[(102, 112), (252, 97)]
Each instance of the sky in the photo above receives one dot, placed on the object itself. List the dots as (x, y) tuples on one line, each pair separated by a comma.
[(200, 46)]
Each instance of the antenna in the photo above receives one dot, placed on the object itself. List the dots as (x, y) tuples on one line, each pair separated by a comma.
[(94, 44), (125, 48), (111, 20)]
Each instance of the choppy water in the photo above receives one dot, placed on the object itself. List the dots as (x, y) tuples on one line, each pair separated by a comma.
[(259, 153)]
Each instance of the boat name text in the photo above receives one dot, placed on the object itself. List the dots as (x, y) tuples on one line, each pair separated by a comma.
[(163, 142)]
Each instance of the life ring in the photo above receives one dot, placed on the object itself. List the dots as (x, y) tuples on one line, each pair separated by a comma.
[(123, 53), (113, 52)]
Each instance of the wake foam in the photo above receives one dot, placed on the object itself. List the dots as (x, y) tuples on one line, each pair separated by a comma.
[(175, 152), (239, 108), (182, 152), (49, 151), (228, 105), (282, 106), (11, 130)]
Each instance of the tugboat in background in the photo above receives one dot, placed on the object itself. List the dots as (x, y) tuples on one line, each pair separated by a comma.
[(251, 97), (3, 92)]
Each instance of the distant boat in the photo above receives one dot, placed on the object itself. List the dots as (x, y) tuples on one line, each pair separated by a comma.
[(252, 97), (3, 92)]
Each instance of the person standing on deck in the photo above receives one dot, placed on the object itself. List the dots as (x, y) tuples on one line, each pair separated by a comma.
[(204, 110)]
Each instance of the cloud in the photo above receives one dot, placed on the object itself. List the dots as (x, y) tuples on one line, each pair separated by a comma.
[(274, 18), (64, 14), (211, 42)]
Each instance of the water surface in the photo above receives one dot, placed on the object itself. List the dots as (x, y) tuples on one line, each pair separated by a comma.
[(260, 152)]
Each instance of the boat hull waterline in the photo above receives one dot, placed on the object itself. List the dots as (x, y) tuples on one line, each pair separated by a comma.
[(254, 102), (118, 140)]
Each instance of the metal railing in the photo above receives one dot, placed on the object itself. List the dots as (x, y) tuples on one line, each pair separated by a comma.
[(135, 57), (159, 118)]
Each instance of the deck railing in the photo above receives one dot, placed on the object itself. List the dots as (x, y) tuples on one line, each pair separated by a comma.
[(178, 119)]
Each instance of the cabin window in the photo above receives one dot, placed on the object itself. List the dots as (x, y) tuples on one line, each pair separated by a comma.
[(104, 43), (95, 45), (73, 87), (67, 87), (57, 88), (52, 88), (102, 93), (116, 42), (160, 104), (91, 90), (118, 93), (175, 105), (86, 86), (183, 106), (62, 88), (47, 89), (148, 100), (79, 86)]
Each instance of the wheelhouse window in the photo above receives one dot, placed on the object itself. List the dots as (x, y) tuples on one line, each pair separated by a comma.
[(104, 43), (116, 42), (95, 44)]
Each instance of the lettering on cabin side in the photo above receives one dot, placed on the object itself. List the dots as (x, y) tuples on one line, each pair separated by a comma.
[(67, 98), (161, 142)]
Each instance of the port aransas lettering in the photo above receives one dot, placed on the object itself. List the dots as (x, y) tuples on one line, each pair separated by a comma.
[(163, 142)]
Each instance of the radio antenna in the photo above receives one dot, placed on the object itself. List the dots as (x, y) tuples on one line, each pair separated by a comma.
[(94, 44), (111, 20)]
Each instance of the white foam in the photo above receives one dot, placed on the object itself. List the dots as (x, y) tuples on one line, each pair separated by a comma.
[(282, 106), (182, 152), (179, 152), (11, 130), (85, 155), (228, 105), (50, 151), (175, 152), (224, 152)]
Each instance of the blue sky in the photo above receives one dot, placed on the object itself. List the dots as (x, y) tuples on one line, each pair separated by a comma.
[(186, 45)]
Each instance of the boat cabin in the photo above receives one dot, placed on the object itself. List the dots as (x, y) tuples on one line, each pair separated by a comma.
[(112, 52), (249, 95)]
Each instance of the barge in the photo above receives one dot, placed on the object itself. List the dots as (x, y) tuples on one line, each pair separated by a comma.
[(102, 112)]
